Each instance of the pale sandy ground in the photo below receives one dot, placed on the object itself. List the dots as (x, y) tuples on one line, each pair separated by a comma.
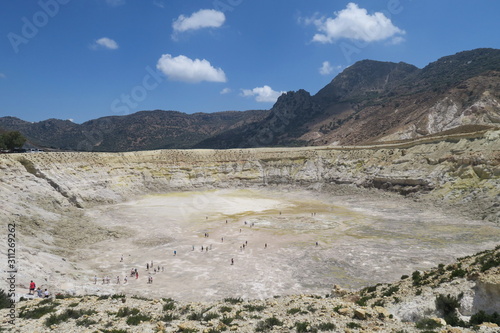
[(361, 242)]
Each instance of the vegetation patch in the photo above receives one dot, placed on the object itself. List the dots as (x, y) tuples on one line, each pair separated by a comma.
[(268, 324)]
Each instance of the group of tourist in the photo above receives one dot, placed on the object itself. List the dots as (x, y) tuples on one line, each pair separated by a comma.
[(38, 291)]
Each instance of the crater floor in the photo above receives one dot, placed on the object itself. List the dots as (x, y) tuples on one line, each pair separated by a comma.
[(295, 242)]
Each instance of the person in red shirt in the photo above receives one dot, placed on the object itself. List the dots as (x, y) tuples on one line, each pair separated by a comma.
[(32, 287)]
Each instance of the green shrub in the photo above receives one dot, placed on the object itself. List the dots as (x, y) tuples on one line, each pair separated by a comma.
[(169, 306), (66, 315), (293, 311), (224, 309), (326, 326), (5, 301), (392, 290), (483, 317), (458, 273), (169, 317), (137, 319), (268, 324), (85, 322), (305, 327), (198, 316), (448, 305), (252, 308), (416, 277), (38, 312), (353, 325), (233, 300), (211, 315), (126, 311), (227, 320)]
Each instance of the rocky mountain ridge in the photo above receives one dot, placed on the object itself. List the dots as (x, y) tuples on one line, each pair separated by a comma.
[(370, 101)]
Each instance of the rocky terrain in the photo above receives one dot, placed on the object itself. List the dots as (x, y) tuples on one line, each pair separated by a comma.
[(457, 292), (47, 195)]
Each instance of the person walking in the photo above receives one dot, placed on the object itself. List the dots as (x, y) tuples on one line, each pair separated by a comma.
[(32, 288)]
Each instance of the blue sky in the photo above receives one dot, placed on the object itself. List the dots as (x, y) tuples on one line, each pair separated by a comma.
[(85, 59)]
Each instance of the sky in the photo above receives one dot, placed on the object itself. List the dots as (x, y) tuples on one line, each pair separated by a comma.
[(86, 59)]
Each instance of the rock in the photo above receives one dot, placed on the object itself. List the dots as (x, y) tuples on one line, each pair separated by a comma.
[(360, 314), (440, 321), (338, 291), (489, 325), (381, 312), (344, 311)]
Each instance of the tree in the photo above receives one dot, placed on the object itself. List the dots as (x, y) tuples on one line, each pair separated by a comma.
[(12, 140)]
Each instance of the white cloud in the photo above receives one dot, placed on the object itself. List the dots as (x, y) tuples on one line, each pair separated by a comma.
[(115, 3), (327, 68), (182, 68), (204, 18), (106, 43), (3, 76), (355, 23), (263, 94), (225, 91), (159, 3)]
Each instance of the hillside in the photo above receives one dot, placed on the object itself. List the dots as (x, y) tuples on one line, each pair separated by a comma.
[(370, 101)]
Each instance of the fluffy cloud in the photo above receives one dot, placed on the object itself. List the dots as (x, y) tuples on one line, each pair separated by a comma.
[(106, 43), (182, 68), (263, 94), (204, 18), (355, 23), (327, 68), (225, 91)]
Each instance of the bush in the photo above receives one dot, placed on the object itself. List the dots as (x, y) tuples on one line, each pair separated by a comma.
[(293, 311), (326, 327), (448, 305), (233, 300), (125, 312), (4, 300), (66, 315), (137, 319), (169, 317), (227, 320), (211, 315), (483, 317), (268, 324), (169, 306), (252, 308), (38, 312), (416, 277), (460, 273), (224, 309), (305, 327), (353, 325), (85, 322)]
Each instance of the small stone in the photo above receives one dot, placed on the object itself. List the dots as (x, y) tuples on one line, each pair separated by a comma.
[(360, 314), (344, 311)]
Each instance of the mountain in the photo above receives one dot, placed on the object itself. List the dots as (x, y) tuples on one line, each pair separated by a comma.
[(373, 101), (143, 130), (369, 102)]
